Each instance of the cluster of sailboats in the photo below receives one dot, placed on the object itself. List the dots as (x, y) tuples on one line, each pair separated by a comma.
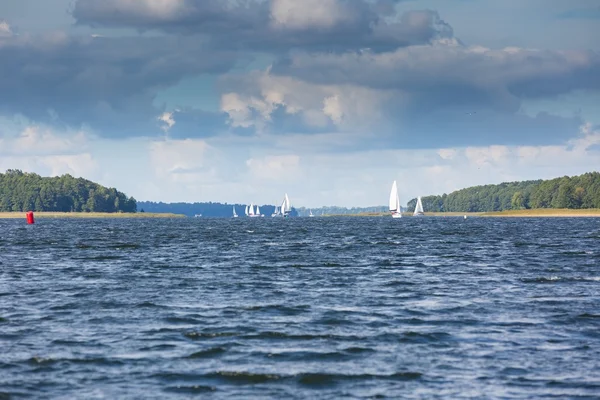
[(394, 204), (283, 210)]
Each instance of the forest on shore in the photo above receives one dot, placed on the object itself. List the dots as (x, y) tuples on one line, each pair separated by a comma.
[(577, 192), (23, 191)]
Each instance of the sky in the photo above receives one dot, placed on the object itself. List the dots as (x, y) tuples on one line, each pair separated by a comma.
[(241, 101)]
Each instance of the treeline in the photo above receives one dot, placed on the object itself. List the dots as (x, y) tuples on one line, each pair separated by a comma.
[(335, 210), (21, 191), (578, 192), (210, 209), (207, 209)]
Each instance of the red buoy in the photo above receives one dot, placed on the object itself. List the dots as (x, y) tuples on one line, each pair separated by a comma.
[(30, 219)]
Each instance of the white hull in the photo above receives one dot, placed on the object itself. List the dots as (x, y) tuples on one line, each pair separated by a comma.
[(396, 215)]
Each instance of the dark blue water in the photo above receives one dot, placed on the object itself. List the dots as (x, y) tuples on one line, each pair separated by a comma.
[(300, 308)]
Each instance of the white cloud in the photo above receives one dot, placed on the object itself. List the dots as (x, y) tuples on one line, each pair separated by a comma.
[(40, 140), (37, 148), (275, 168), (5, 29), (348, 107), (157, 9), (181, 160), (167, 120), (318, 14)]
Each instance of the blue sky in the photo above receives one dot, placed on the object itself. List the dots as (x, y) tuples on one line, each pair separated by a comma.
[(327, 100)]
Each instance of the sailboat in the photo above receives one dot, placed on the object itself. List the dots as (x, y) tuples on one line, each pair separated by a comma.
[(276, 212), (310, 213), (258, 214), (418, 208), (286, 206), (251, 212), (234, 213), (395, 202)]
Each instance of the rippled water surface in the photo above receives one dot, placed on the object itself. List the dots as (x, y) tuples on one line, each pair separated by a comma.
[(300, 308)]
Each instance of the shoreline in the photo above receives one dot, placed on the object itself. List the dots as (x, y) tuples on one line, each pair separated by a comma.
[(535, 213), (52, 214)]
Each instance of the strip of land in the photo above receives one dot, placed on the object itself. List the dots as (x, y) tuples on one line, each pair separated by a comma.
[(546, 212), (49, 214), (540, 212)]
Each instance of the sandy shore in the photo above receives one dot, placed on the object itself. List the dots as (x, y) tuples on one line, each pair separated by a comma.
[(40, 214)]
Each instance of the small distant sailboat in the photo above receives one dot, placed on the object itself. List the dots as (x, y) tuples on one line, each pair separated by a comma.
[(310, 213), (394, 205), (418, 208), (276, 212), (251, 212), (258, 214), (234, 213), (286, 206)]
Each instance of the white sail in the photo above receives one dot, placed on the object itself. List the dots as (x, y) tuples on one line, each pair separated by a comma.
[(257, 210), (419, 207), (393, 203), (310, 214), (246, 210), (288, 205), (251, 209), (234, 213)]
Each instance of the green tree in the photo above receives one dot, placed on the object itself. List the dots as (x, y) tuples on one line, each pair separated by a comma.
[(518, 201)]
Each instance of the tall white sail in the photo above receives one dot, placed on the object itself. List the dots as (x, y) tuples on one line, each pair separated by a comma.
[(257, 210), (234, 213), (288, 205), (393, 203), (251, 209), (246, 210), (419, 207)]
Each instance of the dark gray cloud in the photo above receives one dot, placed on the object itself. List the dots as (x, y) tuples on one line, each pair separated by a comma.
[(108, 83), (273, 25), (449, 74)]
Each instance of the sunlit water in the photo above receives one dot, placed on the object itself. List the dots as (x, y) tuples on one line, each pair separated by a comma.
[(300, 308)]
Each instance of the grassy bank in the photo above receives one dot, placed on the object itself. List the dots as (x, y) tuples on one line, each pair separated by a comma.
[(41, 214)]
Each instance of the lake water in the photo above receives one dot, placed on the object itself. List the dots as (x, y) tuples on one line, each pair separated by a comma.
[(300, 308)]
